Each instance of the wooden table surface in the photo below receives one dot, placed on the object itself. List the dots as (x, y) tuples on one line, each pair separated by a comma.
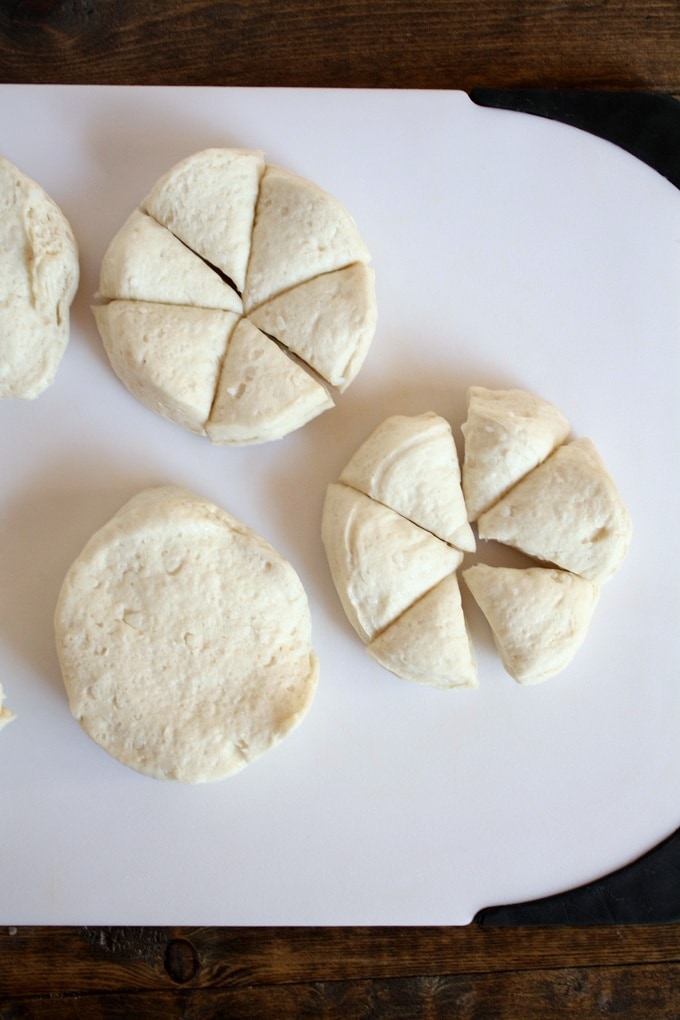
[(472, 972)]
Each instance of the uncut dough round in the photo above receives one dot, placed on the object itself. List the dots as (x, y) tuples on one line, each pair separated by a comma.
[(39, 275), (184, 639), (224, 230)]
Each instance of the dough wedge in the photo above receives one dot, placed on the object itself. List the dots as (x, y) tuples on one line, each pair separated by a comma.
[(146, 262), (208, 201), (566, 512), (262, 394), (410, 464), (539, 616), (380, 562), (508, 432), (168, 356), (429, 643)]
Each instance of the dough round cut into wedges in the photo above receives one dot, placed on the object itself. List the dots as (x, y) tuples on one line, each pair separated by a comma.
[(39, 275), (508, 432), (380, 562), (145, 262), (328, 321), (184, 639), (429, 643), (263, 394), (566, 512), (410, 464), (539, 617), (5, 714), (222, 224), (168, 356)]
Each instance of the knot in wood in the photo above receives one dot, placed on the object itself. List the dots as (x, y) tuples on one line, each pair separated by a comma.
[(181, 960)]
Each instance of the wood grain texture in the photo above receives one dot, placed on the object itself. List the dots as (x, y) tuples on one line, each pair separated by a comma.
[(387, 44), (474, 972)]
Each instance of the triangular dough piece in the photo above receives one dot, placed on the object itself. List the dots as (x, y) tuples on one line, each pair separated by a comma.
[(567, 511), (410, 464), (329, 321), (5, 714), (39, 275), (168, 356), (539, 617), (263, 393), (300, 231), (429, 643), (208, 201), (507, 434), (380, 562), (146, 262)]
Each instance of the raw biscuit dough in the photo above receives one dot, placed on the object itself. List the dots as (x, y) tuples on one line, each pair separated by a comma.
[(539, 617), (223, 230), (39, 275), (184, 639)]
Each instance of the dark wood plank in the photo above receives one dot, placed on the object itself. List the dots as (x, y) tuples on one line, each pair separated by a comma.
[(97, 960), (384, 44), (639, 994)]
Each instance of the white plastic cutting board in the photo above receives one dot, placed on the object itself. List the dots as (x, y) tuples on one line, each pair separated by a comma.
[(509, 250)]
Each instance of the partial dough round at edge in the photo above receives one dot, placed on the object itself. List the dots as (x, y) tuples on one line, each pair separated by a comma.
[(184, 639)]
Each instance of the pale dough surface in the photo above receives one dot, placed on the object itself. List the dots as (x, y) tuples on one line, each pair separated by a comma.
[(508, 432), (5, 714), (429, 643), (539, 617), (380, 562), (39, 273), (184, 639), (410, 464), (566, 512)]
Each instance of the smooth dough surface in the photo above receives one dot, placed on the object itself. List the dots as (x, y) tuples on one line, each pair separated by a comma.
[(566, 512), (539, 617), (184, 639), (380, 562), (39, 275), (508, 432), (429, 643), (410, 464)]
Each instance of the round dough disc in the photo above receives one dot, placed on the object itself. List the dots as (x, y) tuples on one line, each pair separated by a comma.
[(184, 639)]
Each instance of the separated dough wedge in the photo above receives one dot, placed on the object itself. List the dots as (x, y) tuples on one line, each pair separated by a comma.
[(39, 275), (208, 201), (567, 512), (5, 714), (429, 643), (146, 262), (410, 464), (507, 434), (380, 562), (184, 639), (328, 321), (539, 617), (168, 356), (262, 393), (300, 232)]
